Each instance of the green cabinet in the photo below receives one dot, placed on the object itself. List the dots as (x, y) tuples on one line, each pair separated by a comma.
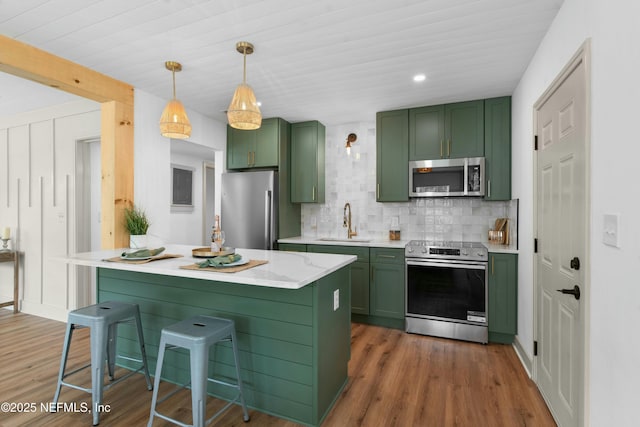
[(359, 273), (447, 131), (292, 247), (503, 297), (377, 282), (255, 148), (387, 283), (392, 156), (307, 162), (426, 133), (464, 129), (497, 148)]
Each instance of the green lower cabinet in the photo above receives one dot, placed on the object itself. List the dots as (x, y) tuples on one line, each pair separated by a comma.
[(360, 288), (503, 297), (359, 273), (387, 283), (292, 247), (377, 282)]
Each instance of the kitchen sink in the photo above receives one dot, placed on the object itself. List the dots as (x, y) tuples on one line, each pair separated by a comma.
[(338, 239)]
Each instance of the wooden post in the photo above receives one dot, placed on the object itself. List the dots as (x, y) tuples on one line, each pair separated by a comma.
[(117, 172), (116, 140)]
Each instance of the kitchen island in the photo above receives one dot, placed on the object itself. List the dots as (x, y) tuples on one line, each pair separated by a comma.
[(292, 318)]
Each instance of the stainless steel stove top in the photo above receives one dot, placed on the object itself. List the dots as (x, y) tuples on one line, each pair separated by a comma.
[(430, 249)]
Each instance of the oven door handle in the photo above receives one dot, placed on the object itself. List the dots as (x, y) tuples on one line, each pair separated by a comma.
[(467, 264)]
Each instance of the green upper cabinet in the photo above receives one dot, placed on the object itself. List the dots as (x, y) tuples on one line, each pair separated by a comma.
[(392, 156), (497, 148), (426, 133), (464, 129), (307, 162), (254, 148), (447, 131), (503, 297)]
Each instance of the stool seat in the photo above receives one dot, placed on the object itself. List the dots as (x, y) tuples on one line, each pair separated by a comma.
[(103, 320), (197, 334)]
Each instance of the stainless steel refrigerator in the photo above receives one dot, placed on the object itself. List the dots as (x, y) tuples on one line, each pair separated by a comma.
[(249, 211)]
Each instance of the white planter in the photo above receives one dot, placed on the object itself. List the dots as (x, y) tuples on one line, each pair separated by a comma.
[(138, 241)]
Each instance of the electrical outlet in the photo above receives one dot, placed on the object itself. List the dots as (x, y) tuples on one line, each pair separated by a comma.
[(336, 299)]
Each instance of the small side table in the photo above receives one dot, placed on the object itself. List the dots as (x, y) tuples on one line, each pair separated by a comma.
[(8, 256)]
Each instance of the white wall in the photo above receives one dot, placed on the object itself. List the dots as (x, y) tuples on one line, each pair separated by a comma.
[(614, 342), (153, 173), (37, 200)]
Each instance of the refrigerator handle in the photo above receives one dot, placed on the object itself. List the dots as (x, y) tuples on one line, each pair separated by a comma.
[(267, 219)]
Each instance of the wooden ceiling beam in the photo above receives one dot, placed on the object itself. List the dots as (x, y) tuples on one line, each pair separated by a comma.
[(23, 60)]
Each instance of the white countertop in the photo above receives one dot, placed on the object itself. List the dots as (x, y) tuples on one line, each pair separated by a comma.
[(501, 249), (372, 243), (398, 244), (287, 270)]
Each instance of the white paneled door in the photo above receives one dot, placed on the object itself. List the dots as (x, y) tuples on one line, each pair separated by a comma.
[(562, 212)]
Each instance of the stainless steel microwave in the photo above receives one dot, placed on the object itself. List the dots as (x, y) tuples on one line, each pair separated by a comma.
[(447, 177)]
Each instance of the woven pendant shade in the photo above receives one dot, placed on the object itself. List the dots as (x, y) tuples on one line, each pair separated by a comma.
[(243, 112), (174, 122)]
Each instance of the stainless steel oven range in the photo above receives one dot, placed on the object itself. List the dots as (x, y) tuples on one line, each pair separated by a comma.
[(446, 289)]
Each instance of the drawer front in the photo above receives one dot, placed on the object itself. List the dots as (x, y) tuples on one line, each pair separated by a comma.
[(361, 252), (387, 255)]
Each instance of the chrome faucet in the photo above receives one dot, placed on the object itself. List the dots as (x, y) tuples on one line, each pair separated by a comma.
[(346, 221)]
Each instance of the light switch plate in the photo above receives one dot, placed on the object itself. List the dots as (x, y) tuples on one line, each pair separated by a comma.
[(610, 234), (336, 299)]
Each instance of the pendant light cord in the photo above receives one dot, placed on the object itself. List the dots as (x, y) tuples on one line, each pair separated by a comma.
[(173, 72), (244, 67)]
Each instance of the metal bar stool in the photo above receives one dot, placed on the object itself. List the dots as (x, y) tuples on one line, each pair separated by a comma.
[(197, 334), (103, 320)]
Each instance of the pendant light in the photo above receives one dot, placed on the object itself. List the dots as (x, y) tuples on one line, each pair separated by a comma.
[(174, 122), (243, 112)]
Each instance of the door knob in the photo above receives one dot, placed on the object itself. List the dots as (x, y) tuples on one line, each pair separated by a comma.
[(575, 291), (575, 263)]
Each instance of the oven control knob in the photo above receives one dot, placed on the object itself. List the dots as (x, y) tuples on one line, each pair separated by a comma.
[(480, 254), (410, 249), (465, 253), (424, 250)]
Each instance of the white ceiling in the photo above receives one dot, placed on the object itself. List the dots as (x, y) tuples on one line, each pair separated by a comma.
[(336, 61)]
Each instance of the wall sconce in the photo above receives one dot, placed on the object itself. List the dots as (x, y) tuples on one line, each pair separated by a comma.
[(351, 139)]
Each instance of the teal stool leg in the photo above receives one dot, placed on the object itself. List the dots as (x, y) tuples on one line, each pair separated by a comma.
[(99, 337), (111, 349), (199, 369), (142, 350), (63, 360), (236, 358), (156, 380)]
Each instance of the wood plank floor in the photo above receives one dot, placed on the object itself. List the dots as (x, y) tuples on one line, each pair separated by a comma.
[(395, 379)]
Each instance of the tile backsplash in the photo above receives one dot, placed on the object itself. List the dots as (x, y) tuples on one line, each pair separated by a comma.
[(352, 179)]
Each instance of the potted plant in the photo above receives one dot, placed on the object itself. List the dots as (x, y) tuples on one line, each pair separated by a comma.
[(137, 224)]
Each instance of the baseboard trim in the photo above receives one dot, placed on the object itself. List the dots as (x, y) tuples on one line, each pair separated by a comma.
[(46, 311), (527, 363)]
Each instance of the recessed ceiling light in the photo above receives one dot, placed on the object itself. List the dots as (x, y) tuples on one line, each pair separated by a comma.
[(419, 78)]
